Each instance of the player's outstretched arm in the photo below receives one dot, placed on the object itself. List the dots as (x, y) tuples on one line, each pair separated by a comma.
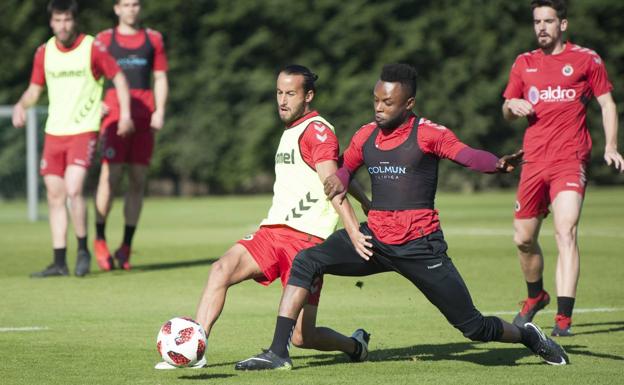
[(27, 100), (610, 124), (516, 108), (486, 162), (327, 170)]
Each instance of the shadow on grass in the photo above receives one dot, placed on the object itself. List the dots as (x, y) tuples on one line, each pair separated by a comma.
[(473, 352), (485, 354), (205, 376), (617, 326), (140, 268), (479, 353), (174, 265)]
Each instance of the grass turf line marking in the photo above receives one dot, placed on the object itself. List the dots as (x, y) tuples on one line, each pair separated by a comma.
[(594, 310), (486, 232), (23, 329)]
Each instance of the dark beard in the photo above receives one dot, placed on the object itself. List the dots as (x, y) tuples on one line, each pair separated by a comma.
[(392, 123)]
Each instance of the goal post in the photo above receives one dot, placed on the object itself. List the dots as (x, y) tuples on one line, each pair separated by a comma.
[(32, 177)]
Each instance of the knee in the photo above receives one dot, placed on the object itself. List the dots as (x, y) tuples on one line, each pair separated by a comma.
[(74, 192), (135, 187), (524, 242), (219, 272), (483, 329), (56, 198), (302, 341), (566, 235)]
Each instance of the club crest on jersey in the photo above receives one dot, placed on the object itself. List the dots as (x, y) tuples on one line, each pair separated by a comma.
[(533, 95), (567, 70)]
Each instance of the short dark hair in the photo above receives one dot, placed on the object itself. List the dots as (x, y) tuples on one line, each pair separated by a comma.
[(558, 5), (401, 73), (63, 6), (309, 77)]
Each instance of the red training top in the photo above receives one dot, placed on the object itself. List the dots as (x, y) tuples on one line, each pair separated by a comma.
[(559, 87), (397, 227), (140, 97)]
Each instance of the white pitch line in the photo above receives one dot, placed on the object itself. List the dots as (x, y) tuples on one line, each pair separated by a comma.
[(594, 310), (488, 232), (23, 329)]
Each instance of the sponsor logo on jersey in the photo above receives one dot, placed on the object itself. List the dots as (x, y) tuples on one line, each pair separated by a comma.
[(567, 70), (385, 170), (517, 207), (550, 95), (248, 237), (66, 73), (132, 62), (572, 184), (285, 157), (531, 70)]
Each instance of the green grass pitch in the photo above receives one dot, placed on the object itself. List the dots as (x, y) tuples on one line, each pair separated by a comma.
[(102, 329)]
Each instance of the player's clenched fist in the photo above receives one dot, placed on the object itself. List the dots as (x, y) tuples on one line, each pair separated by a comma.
[(520, 107)]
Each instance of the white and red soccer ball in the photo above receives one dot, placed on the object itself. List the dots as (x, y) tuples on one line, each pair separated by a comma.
[(181, 342)]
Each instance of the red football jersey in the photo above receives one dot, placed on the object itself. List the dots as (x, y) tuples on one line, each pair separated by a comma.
[(142, 102), (559, 87)]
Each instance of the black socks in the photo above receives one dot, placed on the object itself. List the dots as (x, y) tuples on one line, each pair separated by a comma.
[(281, 339), (535, 288), (60, 256)]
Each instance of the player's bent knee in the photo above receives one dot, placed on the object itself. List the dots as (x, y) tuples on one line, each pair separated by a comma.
[(484, 329), (524, 242)]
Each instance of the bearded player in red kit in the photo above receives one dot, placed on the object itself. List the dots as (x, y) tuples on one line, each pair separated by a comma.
[(551, 87)]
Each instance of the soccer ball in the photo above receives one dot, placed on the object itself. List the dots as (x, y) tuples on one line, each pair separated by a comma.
[(181, 342)]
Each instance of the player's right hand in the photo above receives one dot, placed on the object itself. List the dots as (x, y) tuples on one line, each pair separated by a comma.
[(19, 116), (333, 187), (507, 163), (520, 107), (104, 110), (125, 127), (612, 157), (361, 243)]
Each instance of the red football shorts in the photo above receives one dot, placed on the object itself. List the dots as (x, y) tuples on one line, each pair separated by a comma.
[(137, 148), (60, 151), (540, 182), (274, 248)]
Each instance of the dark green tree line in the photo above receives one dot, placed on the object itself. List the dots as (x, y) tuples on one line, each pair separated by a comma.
[(222, 126)]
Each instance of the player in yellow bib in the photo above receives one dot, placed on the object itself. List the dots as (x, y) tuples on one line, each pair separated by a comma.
[(300, 217), (72, 66)]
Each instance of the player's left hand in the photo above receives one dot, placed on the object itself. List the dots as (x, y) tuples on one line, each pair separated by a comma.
[(334, 188), (361, 243), (612, 157), (507, 163), (125, 127), (158, 120)]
